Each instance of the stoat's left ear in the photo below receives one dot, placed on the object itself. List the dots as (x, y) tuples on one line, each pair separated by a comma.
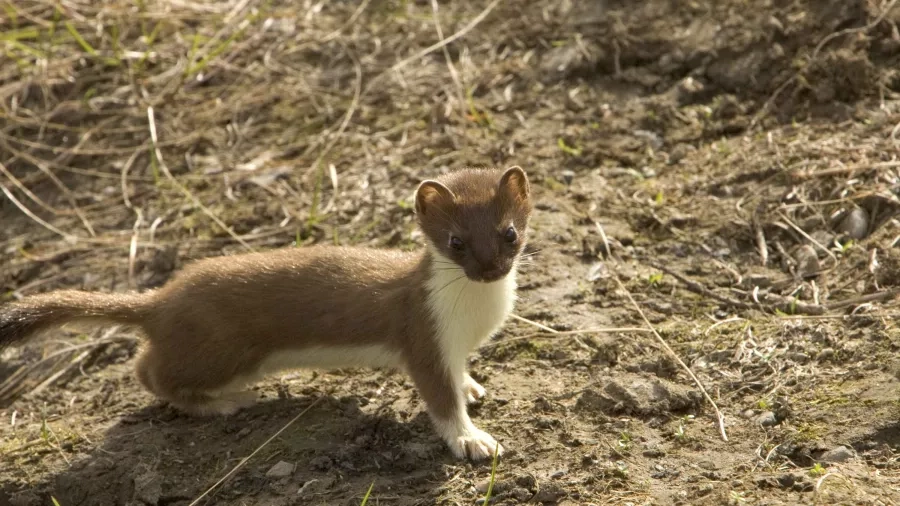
[(514, 183), (433, 195)]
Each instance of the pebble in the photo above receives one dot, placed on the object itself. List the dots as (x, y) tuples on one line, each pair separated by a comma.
[(807, 261), (568, 176), (280, 470), (855, 224), (839, 454), (767, 419), (148, 488), (826, 354), (550, 493), (321, 463), (707, 464), (653, 453), (704, 489), (680, 152)]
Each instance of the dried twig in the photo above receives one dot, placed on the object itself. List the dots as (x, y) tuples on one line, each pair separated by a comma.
[(847, 31), (768, 103), (257, 450), (567, 333), (461, 96), (187, 193), (464, 30), (534, 323), (720, 417)]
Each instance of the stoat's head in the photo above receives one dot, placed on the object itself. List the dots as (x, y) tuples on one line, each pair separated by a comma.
[(477, 219)]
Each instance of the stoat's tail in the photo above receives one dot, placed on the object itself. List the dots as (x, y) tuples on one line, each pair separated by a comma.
[(22, 319)]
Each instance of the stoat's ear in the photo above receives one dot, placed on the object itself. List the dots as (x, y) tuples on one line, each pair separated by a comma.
[(431, 195), (514, 184)]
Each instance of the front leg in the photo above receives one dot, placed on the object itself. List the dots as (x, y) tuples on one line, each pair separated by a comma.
[(447, 407), (472, 391)]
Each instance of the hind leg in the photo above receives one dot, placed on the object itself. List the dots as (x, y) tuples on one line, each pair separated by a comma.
[(224, 403), (185, 391)]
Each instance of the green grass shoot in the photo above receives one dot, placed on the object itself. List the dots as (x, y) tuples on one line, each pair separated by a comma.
[(569, 150), (487, 495), (366, 498)]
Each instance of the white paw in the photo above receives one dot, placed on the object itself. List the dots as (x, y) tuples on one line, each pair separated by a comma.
[(476, 445), (223, 405), (472, 390)]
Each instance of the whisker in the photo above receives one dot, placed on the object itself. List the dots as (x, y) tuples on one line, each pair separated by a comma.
[(454, 280), (461, 290)]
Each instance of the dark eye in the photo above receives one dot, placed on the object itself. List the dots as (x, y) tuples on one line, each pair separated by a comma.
[(456, 243), (510, 235)]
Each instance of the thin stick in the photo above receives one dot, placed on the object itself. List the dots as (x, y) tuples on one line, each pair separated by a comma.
[(41, 222), (347, 116), (719, 415), (349, 22), (248, 457), (761, 245), (466, 29), (606, 251), (453, 74), (702, 290), (567, 333), (723, 322), (152, 122), (807, 236), (872, 297), (533, 323), (848, 170), (858, 29)]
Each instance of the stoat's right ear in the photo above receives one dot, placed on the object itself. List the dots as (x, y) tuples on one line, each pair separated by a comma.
[(431, 195)]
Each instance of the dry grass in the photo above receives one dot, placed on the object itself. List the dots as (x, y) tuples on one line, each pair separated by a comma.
[(250, 101), (136, 136)]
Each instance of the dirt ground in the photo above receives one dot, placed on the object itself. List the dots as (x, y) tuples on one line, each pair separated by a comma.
[(733, 164)]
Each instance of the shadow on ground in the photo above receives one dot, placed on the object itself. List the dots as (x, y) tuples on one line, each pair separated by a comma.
[(157, 456)]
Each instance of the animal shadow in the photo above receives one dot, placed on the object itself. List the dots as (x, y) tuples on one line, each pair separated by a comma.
[(329, 454)]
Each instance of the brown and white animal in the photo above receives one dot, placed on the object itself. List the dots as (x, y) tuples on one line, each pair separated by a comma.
[(224, 323)]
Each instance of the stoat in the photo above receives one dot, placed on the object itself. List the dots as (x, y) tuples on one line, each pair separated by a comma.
[(223, 323)]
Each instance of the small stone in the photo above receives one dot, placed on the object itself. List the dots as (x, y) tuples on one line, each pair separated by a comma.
[(244, 432), (148, 488), (807, 261), (653, 453), (836, 455), (797, 356), (767, 419), (321, 463), (520, 494), (567, 176), (500, 486), (826, 354), (786, 480), (704, 489), (549, 493), (680, 152), (558, 474), (707, 464), (651, 138), (823, 237), (280, 470), (855, 224)]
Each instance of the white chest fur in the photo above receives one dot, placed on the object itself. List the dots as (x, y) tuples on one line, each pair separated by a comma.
[(466, 312)]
